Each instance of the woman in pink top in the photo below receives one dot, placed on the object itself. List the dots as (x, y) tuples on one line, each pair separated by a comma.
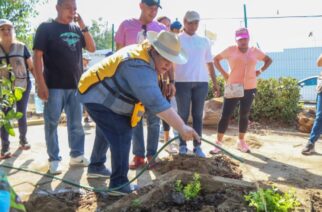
[(242, 61)]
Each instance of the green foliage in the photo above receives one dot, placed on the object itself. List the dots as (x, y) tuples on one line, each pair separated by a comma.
[(101, 34), (8, 97), (191, 190), (136, 203), (277, 100), (20, 12), (220, 82), (275, 201)]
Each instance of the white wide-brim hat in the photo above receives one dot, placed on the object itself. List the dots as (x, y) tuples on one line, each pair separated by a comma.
[(167, 44)]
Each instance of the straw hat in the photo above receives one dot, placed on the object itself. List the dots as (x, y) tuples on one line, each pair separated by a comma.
[(167, 44)]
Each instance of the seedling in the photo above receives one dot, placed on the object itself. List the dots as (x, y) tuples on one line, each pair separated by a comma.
[(273, 200), (136, 203), (191, 190)]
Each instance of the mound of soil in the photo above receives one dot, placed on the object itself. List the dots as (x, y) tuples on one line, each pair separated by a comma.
[(316, 202), (217, 194), (219, 165), (67, 200)]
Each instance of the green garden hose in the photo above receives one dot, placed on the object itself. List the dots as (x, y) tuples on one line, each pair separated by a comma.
[(88, 188)]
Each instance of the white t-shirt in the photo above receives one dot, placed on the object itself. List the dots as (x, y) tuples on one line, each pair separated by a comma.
[(199, 54)]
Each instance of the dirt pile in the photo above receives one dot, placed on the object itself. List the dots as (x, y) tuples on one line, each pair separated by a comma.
[(219, 165)]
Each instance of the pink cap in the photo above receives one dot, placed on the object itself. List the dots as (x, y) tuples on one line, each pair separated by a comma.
[(241, 33)]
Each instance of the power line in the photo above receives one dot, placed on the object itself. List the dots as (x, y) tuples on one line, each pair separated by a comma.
[(264, 17)]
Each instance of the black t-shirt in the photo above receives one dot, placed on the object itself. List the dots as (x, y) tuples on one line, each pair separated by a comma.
[(61, 45)]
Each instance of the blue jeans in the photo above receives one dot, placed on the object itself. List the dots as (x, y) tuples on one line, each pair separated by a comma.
[(59, 100), (153, 123), (22, 123), (114, 131), (317, 126), (193, 93)]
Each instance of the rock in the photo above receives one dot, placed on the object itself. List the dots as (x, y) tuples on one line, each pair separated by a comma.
[(212, 111), (178, 198), (305, 120), (208, 208)]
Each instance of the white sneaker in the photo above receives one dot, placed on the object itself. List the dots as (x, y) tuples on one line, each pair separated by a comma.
[(54, 167), (78, 161)]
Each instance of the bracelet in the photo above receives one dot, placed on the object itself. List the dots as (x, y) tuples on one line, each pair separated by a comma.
[(172, 81), (85, 29)]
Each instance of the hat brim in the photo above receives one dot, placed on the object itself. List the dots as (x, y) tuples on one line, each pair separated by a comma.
[(181, 58), (242, 37)]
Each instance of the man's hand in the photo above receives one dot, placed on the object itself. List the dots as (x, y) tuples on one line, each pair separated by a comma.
[(79, 20), (187, 133), (42, 91), (171, 90)]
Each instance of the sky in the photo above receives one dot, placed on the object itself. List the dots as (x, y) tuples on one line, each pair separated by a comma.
[(268, 34)]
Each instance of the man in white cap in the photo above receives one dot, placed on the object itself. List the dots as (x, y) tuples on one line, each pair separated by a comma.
[(192, 78), (114, 91)]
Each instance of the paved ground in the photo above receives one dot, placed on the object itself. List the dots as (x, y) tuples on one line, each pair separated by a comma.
[(275, 158)]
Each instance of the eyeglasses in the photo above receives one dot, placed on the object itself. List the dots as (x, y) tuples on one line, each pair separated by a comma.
[(144, 28)]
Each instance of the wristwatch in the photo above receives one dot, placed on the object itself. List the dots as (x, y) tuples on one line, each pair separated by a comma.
[(85, 29)]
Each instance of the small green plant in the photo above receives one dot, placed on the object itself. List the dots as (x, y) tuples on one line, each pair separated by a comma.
[(178, 186), (272, 200), (8, 97), (191, 190), (136, 203)]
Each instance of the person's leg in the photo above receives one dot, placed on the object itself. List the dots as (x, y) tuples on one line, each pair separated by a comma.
[(245, 106), (198, 97), (153, 123), (118, 132), (316, 129), (183, 99), (5, 153), (227, 111), (76, 135), (52, 111), (22, 122), (138, 148)]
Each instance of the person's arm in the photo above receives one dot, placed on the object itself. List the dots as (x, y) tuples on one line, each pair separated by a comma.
[(89, 41), (174, 120), (39, 77), (319, 61), (218, 66), (30, 65), (119, 46), (211, 70), (267, 62)]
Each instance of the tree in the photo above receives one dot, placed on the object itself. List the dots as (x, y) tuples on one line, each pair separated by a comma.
[(20, 12), (101, 34)]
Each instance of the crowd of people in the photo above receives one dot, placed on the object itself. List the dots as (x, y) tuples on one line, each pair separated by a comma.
[(161, 70)]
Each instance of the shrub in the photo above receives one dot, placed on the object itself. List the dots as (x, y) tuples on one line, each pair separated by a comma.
[(191, 190)]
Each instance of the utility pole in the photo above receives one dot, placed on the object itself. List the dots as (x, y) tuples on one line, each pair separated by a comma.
[(245, 16)]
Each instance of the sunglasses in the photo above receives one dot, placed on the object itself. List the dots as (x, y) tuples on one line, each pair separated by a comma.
[(144, 28)]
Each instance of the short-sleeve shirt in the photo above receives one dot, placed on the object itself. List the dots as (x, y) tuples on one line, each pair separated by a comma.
[(243, 64), (198, 49), (61, 45), (130, 31)]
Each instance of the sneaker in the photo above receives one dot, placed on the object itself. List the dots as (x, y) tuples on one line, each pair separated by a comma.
[(183, 150), (137, 162), (98, 172), (243, 146), (124, 191), (24, 144), (171, 149), (79, 161), (5, 153), (308, 149), (198, 152), (150, 162), (55, 167), (216, 150)]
